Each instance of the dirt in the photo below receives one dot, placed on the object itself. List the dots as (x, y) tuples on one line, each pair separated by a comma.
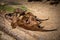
[(42, 11)]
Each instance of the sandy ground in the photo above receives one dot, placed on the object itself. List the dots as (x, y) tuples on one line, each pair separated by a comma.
[(43, 11)]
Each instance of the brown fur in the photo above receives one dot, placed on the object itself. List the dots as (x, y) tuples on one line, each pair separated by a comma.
[(28, 21), (30, 24)]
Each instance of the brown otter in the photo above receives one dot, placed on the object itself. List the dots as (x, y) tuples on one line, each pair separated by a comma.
[(28, 21)]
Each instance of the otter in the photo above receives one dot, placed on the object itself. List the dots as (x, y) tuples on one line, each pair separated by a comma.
[(28, 21)]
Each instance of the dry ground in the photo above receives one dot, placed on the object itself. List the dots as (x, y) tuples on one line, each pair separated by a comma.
[(42, 11)]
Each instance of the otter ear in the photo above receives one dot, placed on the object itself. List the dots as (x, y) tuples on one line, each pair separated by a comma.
[(23, 13)]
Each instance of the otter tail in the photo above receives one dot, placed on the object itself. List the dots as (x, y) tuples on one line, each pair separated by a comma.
[(45, 30)]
